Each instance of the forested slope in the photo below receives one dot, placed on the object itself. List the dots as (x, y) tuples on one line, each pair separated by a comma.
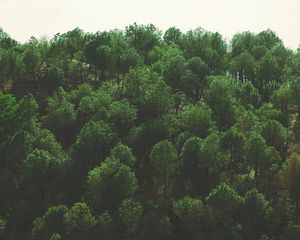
[(140, 134)]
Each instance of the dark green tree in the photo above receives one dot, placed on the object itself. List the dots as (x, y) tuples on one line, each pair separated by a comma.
[(109, 184)]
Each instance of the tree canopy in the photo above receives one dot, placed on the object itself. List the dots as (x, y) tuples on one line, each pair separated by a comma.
[(141, 134)]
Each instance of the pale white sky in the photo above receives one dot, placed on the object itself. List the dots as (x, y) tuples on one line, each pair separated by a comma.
[(25, 18)]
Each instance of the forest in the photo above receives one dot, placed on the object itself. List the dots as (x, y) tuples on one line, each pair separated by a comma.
[(140, 134)]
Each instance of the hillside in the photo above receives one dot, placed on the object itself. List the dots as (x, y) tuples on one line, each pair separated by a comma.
[(141, 134)]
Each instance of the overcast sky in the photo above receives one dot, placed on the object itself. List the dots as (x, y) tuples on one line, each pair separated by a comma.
[(25, 18)]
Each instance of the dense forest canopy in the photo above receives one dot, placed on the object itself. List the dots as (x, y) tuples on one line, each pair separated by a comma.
[(140, 134)]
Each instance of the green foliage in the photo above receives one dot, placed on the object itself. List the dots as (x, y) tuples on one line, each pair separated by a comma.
[(173, 35), (225, 205), (130, 213), (55, 236), (191, 156), (79, 222), (93, 143), (249, 94), (60, 112), (189, 210), (121, 116), (143, 37), (295, 87), (42, 174), (81, 91), (109, 184), (232, 142), (8, 108), (258, 155), (124, 154), (256, 214), (164, 160), (197, 119), (225, 200), (158, 100), (292, 175), (51, 223), (54, 78), (151, 135), (221, 100), (275, 135), (2, 226)]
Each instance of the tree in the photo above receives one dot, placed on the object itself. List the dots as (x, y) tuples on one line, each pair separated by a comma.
[(39, 168), (268, 38), (2, 226), (195, 167), (8, 108), (275, 135), (29, 137), (209, 46), (191, 158), (194, 80), (197, 119), (96, 105), (138, 134), (190, 212), (121, 115), (6, 65), (257, 155), (296, 129), (30, 63), (222, 102), (230, 199), (243, 67), (155, 226), (164, 159), (27, 111), (242, 42), (105, 59), (79, 222), (6, 42), (226, 205), (109, 184), (8, 190), (247, 122), (135, 85), (130, 213), (295, 86), (51, 222), (292, 176), (99, 52), (268, 112), (53, 78), (158, 100), (124, 154), (61, 116), (173, 35), (267, 71), (174, 71), (143, 37), (213, 155), (282, 97), (233, 143), (55, 236), (126, 57), (80, 92), (256, 215), (93, 144), (248, 94)]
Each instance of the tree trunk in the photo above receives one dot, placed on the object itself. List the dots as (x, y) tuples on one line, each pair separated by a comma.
[(296, 210), (256, 176)]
